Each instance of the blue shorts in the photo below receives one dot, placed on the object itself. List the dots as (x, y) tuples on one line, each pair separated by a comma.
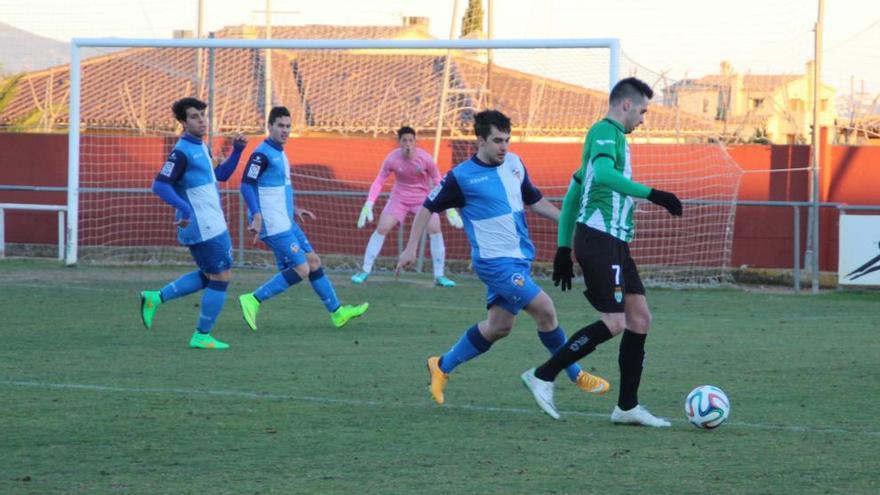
[(290, 247), (508, 282), (214, 255)]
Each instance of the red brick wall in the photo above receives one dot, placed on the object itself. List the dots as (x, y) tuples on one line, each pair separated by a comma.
[(762, 235)]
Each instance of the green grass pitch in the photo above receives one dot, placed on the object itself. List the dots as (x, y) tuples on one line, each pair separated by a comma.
[(94, 403)]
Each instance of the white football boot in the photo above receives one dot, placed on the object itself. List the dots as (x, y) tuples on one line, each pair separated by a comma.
[(637, 416), (542, 392)]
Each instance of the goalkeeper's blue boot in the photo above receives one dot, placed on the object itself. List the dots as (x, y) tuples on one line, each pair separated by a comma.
[(359, 277), (150, 302), (343, 314), (444, 282), (201, 340)]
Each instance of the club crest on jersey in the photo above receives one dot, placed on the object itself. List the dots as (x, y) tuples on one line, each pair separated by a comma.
[(294, 247), (618, 293), (518, 279)]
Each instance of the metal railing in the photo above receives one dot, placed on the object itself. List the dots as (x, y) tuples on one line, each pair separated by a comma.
[(61, 209), (794, 205)]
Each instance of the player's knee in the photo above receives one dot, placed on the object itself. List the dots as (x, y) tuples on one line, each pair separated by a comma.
[(501, 331), (314, 264), (547, 320), (302, 270), (615, 323), (221, 277), (383, 230), (639, 323)]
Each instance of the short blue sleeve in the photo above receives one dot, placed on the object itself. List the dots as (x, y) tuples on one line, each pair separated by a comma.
[(173, 168), (255, 167), (530, 193), (447, 194)]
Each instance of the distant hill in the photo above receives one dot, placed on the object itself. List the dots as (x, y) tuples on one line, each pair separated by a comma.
[(23, 51)]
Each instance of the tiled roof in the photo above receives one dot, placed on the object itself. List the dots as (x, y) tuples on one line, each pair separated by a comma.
[(326, 91), (319, 31)]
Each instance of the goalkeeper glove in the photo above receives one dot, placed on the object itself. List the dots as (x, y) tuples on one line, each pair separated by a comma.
[(666, 200), (366, 214), (563, 268), (454, 218)]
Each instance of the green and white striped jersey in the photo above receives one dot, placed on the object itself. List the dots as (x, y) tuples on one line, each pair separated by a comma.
[(601, 207)]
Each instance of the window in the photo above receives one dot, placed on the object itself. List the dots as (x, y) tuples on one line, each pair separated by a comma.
[(823, 105), (705, 105), (757, 102)]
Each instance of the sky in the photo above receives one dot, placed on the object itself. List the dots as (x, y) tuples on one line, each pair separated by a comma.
[(683, 38)]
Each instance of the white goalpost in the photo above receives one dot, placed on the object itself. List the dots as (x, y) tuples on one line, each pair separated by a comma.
[(347, 97)]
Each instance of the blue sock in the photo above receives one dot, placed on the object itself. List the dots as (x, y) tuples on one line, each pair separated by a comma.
[(470, 345), (277, 284), (212, 303), (553, 341), (186, 284), (322, 286)]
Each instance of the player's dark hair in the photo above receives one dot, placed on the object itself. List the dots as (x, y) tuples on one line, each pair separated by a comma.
[(405, 130), (485, 120), (179, 107), (277, 112), (630, 88)]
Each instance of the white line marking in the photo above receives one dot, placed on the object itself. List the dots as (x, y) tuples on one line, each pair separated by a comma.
[(371, 403)]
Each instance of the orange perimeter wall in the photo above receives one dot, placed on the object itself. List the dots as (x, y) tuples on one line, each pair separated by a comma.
[(762, 235)]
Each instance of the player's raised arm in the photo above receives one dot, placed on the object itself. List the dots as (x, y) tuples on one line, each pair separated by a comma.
[(224, 171)]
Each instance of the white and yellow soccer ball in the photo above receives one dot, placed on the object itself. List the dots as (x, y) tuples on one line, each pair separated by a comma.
[(707, 407)]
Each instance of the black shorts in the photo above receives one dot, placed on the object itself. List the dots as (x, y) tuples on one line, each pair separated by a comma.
[(609, 270)]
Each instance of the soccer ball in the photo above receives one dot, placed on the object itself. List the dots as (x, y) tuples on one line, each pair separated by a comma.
[(707, 407)]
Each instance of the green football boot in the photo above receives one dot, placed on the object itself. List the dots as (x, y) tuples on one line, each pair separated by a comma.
[(201, 340), (150, 302), (249, 309), (345, 313)]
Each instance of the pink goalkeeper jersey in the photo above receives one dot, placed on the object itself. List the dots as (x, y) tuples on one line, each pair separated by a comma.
[(413, 178)]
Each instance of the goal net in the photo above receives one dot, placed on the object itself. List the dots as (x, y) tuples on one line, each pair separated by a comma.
[(347, 98)]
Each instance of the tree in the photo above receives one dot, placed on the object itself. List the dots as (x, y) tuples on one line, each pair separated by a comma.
[(472, 21)]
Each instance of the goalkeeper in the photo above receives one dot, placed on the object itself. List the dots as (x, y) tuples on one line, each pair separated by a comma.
[(415, 174)]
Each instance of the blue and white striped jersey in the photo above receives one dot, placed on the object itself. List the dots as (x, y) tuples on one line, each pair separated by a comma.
[(190, 172), (491, 199), (269, 170)]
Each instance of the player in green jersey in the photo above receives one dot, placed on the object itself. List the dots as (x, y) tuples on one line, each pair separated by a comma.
[(597, 214)]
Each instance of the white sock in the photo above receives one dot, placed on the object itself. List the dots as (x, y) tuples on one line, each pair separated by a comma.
[(374, 247), (438, 253)]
